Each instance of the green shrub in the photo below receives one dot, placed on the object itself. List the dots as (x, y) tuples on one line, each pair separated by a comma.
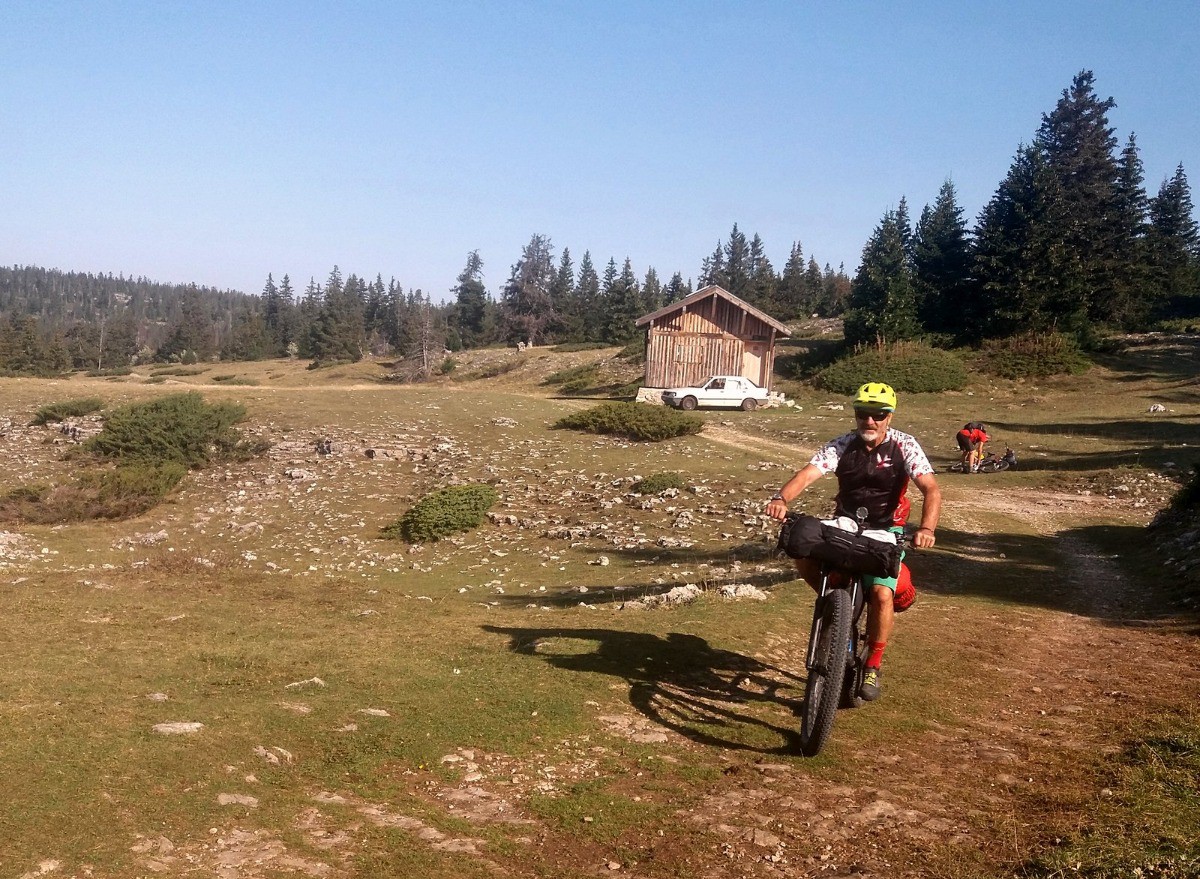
[(568, 347), (635, 421), (1033, 355), (179, 370), (442, 513), (659, 482), (911, 367), (448, 366), (584, 372), (106, 494), (133, 488), (180, 429), (67, 409), (108, 372)]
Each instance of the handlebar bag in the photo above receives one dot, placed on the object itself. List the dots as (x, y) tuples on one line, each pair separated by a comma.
[(808, 537)]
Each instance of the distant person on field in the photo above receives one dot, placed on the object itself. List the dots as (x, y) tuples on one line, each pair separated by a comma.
[(873, 464), (970, 442)]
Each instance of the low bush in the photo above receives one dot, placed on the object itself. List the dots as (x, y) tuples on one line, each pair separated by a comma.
[(1032, 355), (109, 372), (66, 409), (179, 370), (442, 513), (568, 347), (635, 421), (106, 494), (180, 428), (659, 482), (911, 367), (448, 366), (585, 371), (634, 350)]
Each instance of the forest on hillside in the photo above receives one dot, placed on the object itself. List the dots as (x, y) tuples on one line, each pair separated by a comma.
[(1070, 242)]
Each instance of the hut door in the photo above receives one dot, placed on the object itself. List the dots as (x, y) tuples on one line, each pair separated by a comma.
[(752, 362)]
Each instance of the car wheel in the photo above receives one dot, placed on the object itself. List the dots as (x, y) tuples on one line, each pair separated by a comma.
[(688, 403), (749, 404)]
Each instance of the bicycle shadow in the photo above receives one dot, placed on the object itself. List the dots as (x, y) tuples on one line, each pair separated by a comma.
[(680, 682)]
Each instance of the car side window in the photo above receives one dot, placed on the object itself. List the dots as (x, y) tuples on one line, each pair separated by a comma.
[(717, 384)]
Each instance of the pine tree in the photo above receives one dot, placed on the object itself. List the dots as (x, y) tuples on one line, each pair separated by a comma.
[(816, 297), (942, 263), (588, 299), (712, 269), (562, 298), (652, 292), (1078, 145), (763, 287), (1174, 244), (525, 306), (1025, 268), (339, 332), (622, 303), (676, 289), (470, 302), (883, 303), (737, 265), (791, 296), (1129, 304)]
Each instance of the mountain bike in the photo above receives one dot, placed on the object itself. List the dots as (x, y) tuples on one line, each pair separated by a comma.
[(837, 653), (993, 463)]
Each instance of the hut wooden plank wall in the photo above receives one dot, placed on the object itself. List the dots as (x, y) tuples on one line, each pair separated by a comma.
[(711, 332)]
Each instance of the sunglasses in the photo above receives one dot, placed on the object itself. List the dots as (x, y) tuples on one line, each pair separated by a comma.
[(873, 415)]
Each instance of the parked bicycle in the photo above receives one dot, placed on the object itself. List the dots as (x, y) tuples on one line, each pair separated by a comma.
[(993, 463)]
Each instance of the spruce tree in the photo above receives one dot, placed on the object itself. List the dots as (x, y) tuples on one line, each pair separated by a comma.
[(525, 306), (562, 298), (588, 300), (761, 291), (737, 265), (1174, 246), (883, 304), (1128, 305), (652, 292), (1078, 145), (1025, 268), (942, 263), (470, 302), (676, 289), (792, 299)]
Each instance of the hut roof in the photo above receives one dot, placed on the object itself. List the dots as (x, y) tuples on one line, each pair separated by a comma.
[(704, 293)]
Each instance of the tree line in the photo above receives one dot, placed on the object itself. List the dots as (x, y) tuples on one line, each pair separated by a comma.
[(52, 321), (1069, 242)]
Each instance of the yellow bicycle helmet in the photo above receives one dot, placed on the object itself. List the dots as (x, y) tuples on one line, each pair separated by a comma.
[(876, 394)]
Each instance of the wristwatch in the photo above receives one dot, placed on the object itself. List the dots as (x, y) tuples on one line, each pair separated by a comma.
[(777, 497)]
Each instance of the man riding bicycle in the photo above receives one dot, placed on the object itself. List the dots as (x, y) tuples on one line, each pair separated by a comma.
[(873, 464)]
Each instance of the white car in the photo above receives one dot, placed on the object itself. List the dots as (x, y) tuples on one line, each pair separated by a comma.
[(731, 391)]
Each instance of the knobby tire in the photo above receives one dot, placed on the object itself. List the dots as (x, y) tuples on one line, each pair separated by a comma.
[(823, 690)]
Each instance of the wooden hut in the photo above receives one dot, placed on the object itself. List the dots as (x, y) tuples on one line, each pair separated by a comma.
[(711, 332)]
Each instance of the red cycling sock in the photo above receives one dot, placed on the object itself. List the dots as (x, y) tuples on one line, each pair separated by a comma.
[(875, 659)]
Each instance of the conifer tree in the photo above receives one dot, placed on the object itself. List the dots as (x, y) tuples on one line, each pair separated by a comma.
[(942, 263), (883, 303), (1023, 264), (737, 265), (792, 299), (1128, 305), (470, 302), (1078, 145), (1174, 245), (622, 303), (712, 269), (562, 297), (588, 299), (676, 289), (525, 306), (652, 292)]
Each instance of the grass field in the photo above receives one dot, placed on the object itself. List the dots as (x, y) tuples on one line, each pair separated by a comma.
[(495, 703)]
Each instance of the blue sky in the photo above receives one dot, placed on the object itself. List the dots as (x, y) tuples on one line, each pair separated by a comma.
[(216, 142)]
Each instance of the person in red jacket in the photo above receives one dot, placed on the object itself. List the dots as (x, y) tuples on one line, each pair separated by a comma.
[(970, 442)]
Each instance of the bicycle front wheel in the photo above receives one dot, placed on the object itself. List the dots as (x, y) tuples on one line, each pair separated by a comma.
[(823, 690)]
